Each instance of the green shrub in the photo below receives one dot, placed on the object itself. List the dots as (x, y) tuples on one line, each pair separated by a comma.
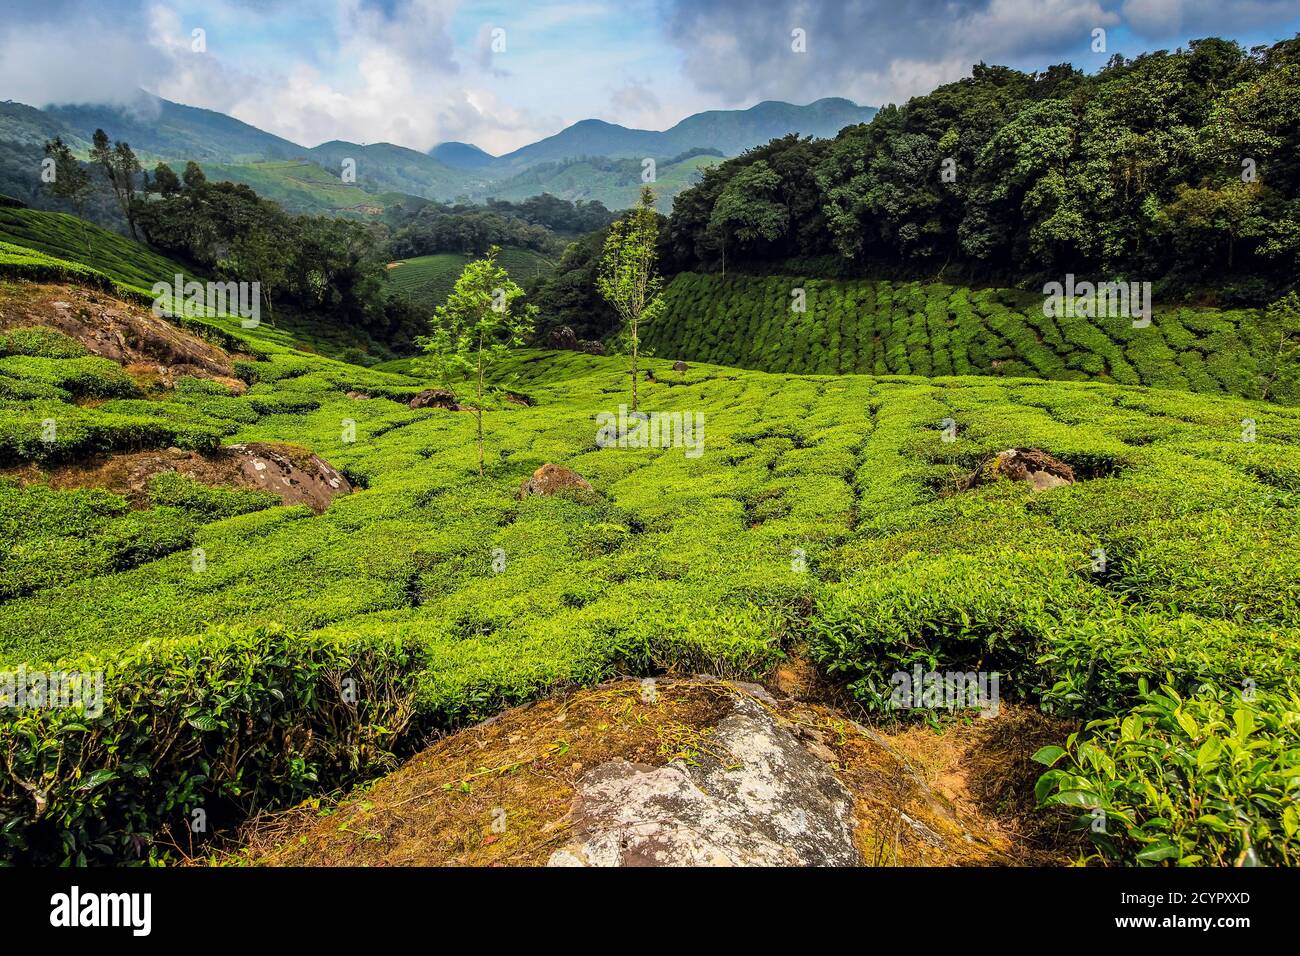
[(177, 491), (42, 342), (1209, 780), (230, 721)]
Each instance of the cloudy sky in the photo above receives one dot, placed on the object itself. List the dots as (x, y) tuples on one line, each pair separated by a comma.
[(504, 73)]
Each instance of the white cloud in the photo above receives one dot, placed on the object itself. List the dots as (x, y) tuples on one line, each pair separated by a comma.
[(46, 62)]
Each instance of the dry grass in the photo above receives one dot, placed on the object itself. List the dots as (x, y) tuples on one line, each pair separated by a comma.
[(500, 793)]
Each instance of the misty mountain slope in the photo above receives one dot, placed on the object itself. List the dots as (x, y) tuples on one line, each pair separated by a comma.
[(461, 155), (159, 127)]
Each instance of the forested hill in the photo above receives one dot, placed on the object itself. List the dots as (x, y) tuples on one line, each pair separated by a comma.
[(1178, 168)]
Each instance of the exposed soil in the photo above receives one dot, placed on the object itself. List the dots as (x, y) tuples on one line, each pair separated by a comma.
[(150, 348), (294, 474), (501, 793)]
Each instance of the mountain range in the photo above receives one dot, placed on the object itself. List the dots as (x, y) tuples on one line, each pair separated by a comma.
[(591, 159)]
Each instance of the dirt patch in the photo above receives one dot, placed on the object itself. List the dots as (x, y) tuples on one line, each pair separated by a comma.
[(983, 769), (294, 474), (131, 335), (501, 793)]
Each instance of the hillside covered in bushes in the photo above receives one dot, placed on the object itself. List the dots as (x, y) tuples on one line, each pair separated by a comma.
[(828, 327), (829, 512)]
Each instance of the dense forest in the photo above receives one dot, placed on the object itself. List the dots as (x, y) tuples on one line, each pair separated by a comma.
[(1178, 168), (539, 223)]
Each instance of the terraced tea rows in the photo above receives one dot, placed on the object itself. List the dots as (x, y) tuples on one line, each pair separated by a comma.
[(884, 328)]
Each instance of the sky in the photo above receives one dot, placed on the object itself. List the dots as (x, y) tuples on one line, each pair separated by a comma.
[(502, 74)]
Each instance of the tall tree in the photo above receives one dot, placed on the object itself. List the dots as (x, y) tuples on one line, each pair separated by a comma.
[(121, 167), (747, 211), (628, 278), (165, 180), (71, 181), (259, 255), (477, 326)]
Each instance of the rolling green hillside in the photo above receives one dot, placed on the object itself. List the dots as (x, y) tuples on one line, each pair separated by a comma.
[(818, 510), (51, 247), (301, 186), (56, 234), (383, 167), (158, 129), (731, 132), (887, 328), (428, 280), (616, 183)]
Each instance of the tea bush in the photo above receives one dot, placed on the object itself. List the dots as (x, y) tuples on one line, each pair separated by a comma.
[(1204, 781)]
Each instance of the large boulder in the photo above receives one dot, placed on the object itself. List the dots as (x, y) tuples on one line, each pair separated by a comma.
[(297, 476), (550, 479), (756, 796), (1036, 468)]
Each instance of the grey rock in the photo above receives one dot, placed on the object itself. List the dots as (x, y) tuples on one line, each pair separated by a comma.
[(764, 800)]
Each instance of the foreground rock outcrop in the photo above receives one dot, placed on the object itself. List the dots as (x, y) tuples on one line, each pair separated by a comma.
[(771, 802), (679, 771)]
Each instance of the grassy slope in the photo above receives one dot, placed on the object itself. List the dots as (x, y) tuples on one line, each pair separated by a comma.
[(65, 237), (428, 280), (303, 187), (582, 180), (936, 329), (50, 246)]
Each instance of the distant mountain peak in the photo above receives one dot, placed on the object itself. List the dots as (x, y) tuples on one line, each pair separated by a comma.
[(461, 155), (729, 131)]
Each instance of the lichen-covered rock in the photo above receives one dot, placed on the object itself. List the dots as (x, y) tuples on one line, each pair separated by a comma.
[(756, 797), (1036, 468)]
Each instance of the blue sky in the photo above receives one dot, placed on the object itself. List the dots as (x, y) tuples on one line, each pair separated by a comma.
[(417, 72)]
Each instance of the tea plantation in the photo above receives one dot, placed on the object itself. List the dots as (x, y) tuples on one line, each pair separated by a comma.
[(304, 652), (427, 280), (913, 328)]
